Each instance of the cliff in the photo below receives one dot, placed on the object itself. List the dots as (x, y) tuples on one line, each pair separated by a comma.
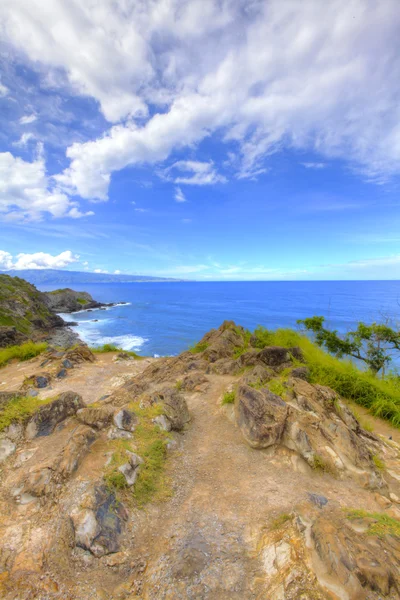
[(228, 472)]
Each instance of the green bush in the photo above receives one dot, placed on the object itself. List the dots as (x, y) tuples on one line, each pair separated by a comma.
[(229, 398), (22, 352), (197, 348)]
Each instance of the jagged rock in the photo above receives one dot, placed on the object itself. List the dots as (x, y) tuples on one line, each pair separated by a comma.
[(67, 364), (275, 356), (261, 416), (98, 417), (78, 354), (301, 373), (248, 359), (125, 419), (7, 447), (10, 336), (194, 382), (224, 366), (47, 417), (61, 374), (41, 380), (98, 522), (119, 434), (163, 422), (258, 376), (14, 432), (130, 470), (175, 407)]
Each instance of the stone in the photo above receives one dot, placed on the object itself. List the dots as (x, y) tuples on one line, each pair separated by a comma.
[(125, 419), (261, 416), (67, 364), (86, 527), (175, 407), (7, 447), (301, 373), (119, 434), (47, 417), (98, 417), (274, 356), (317, 499), (6, 397), (130, 473), (40, 381), (14, 432), (31, 393), (61, 374), (162, 422), (9, 336)]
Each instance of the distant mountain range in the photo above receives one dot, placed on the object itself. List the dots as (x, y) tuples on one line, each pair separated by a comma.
[(58, 277)]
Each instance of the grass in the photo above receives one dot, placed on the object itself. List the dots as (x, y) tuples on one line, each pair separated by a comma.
[(380, 524), (229, 398), (280, 521), (19, 410), (82, 301), (378, 462), (276, 386), (150, 444), (112, 348), (197, 348), (380, 396), (319, 464), (22, 352), (179, 384)]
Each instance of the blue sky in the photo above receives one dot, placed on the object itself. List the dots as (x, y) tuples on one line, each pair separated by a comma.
[(203, 139)]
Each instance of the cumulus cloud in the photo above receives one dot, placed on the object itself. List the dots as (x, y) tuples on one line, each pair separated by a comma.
[(37, 260), (179, 195), (26, 193), (262, 76)]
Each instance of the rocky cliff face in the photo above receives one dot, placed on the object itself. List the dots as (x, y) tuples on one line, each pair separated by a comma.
[(68, 301), (273, 490), (23, 312)]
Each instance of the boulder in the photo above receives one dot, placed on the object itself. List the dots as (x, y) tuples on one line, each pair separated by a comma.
[(9, 336), (49, 416), (98, 417), (258, 376), (260, 415), (275, 356), (39, 381), (125, 419), (7, 447), (130, 470), (175, 407), (79, 354), (98, 522), (163, 423)]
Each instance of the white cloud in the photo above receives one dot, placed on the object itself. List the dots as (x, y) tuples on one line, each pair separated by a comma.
[(27, 119), (3, 90), (37, 260), (141, 210), (314, 165), (26, 193), (24, 140), (100, 271), (179, 195), (263, 76), (117, 272), (193, 172), (6, 261)]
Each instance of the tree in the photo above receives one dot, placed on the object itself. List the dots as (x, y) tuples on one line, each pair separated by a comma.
[(371, 344)]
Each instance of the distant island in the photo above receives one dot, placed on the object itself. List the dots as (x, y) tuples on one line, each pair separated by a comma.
[(60, 277)]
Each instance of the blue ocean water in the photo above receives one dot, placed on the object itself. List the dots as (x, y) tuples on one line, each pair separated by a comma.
[(165, 318)]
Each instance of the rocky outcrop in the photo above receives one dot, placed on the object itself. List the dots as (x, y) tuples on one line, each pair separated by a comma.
[(49, 416), (68, 301), (10, 336), (175, 407)]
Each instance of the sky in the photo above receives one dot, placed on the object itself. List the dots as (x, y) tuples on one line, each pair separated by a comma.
[(201, 139)]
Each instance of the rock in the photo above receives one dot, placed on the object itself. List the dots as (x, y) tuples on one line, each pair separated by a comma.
[(79, 354), (98, 417), (6, 397), (130, 470), (98, 522), (14, 432), (40, 381), (194, 382), (248, 359), (163, 423), (61, 373), (275, 356), (125, 419), (31, 393), (10, 336), (117, 434), (66, 363), (258, 376), (7, 447), (301, 373), (68, 301), (175, 407), (47, 417), (261, 416), (318, 500)]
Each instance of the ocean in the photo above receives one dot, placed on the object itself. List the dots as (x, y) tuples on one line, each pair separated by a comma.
[(165, 318)]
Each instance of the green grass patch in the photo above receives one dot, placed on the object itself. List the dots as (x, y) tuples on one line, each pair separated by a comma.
[(228, 398), (277, 387), (380, 396), (150, 444), (179, 384), (22, 352), (280, 521), (105, 348), (20, 410), (197, 348), (82, 301), (378, 462), (379, 525)]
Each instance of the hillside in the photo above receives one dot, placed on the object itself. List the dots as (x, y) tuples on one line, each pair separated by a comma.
[(229, 472), (66, 278)]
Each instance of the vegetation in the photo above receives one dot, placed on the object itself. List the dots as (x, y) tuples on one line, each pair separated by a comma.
[(23, 352), (82, 301), (19, 410), (380, 396), (229, 397), (179, 384), (378, 462), (105, 348), (371, 344), (380, 524), (276, 386), (246, 335), (197, 348), (150, 443), (280, 521)]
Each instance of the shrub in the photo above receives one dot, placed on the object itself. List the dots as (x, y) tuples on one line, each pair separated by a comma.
[(197, 348), (380, 524), (22, 352)]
